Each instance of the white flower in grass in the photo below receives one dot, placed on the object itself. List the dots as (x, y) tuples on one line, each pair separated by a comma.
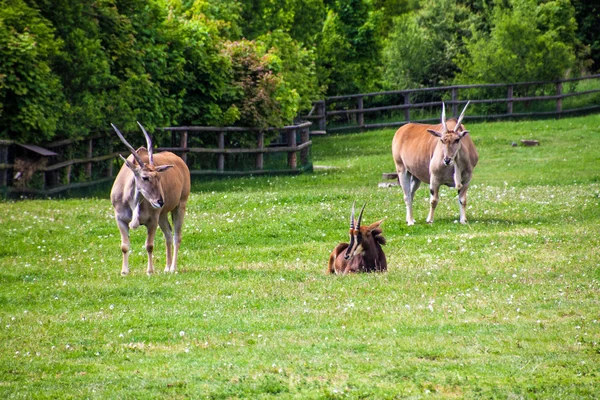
[(182, 333)]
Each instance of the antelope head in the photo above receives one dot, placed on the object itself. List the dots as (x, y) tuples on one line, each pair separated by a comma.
[(362, 238), (147, 175), (450, 138)]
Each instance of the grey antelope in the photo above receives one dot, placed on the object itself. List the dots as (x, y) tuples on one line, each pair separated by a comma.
[(149, 187), (364, 253), (441, 154)]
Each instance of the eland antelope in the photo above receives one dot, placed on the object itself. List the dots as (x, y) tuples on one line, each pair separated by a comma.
[(364, 253), (149, 187), (441, 154)]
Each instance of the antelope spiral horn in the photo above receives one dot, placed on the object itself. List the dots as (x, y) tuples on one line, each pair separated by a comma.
[(462, 115), (130, 147), (444, 117), (360, 216), (352, 216), (149, 142)]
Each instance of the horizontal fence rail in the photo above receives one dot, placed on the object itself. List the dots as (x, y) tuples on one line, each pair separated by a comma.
[(291, 147), (340, 113), (91, 162)]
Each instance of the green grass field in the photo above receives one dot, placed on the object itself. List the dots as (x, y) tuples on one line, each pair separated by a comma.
[(507, 306)]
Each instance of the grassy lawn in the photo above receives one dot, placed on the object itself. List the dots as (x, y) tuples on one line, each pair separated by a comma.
[(507, 306)]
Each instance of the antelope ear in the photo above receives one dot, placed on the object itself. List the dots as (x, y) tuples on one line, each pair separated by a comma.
[(463, 134), (376, 225), (129, 165), (162, 168), (434, 133)]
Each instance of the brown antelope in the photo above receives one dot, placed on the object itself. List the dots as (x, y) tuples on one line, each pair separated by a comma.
[(364, 253), (149, 187), (438, 155)]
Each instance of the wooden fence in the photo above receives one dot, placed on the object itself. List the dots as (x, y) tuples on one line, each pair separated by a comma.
[(348, 112), (293, 140), (76, 166)]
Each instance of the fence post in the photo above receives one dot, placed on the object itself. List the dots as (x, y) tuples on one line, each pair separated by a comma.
[(454, 100), (360, 116), (68, 177), (221, 158), (260, 157), (109, 172), (509, 96), (88, 165), (304, 152), (322, 113), (291, 141), (183, 143), (3, 160), (407, 109), (559, 99)]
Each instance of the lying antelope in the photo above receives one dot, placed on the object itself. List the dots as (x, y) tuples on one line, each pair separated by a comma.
[(438, 155), (364, 253), (149, 187)]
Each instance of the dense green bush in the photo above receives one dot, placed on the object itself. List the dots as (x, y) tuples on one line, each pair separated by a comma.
[(69, 68), (526, 43), (31, 93), (423, 45)]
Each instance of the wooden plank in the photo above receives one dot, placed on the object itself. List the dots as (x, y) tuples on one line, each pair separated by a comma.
[(212, 150), (446, 88), (232, 128), (260, 157), (206, 172), (509, 96), (90, 153), (559, 98), (292, 157), (360, 115), (183, 142), (78, 161), (59, 189), (221, 155)]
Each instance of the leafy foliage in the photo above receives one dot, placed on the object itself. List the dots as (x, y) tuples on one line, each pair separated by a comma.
[(349, 50), (259, 91), (422, 46), (31, 97), (68, 68), (527, 43)]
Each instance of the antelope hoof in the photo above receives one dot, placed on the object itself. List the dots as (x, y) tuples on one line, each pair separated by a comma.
[(410, 223), (463, 221), (124, 273)]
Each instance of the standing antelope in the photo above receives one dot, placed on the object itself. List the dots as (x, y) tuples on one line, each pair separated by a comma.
[(364, 253), (438, 155), (146, 189)]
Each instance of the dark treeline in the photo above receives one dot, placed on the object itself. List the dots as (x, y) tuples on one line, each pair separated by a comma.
[(68, 68)]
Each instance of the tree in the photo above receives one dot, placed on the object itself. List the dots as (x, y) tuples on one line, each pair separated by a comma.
[(348, 49), (528, 42), (421, 48), (301, 19), (587, 14), (31, 97)]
